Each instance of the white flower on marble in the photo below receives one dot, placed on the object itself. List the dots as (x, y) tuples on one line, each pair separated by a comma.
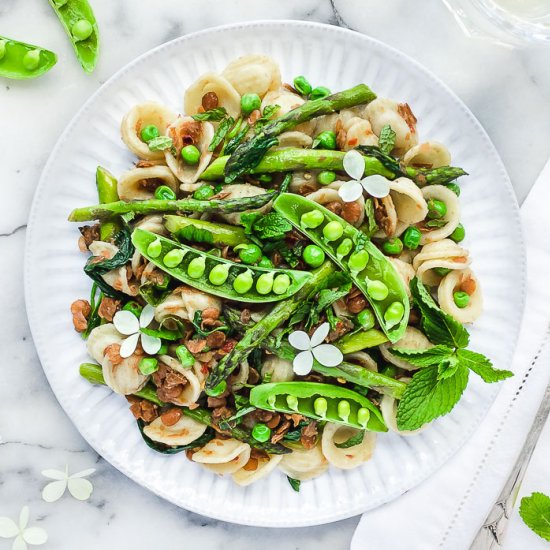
[(21, 533), (354, 165), (80, 488), (313, 348), (128, 324)]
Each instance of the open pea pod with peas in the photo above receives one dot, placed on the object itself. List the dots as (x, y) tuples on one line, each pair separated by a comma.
[(352, 250), (218, 276), (320, 402), (19, 60)]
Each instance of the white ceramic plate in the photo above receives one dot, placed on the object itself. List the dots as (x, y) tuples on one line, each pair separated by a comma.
[(329, 56)]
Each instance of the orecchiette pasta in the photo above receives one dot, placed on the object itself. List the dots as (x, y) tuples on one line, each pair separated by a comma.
[(101, 337), (183, 302), (430, 154), (444, 254), (118, 277), (350, 457), (256, 74), (452, 217), (408, 201), (246, 476), (362, 358), (279, 369), (465, 281), (304, 464), (223, 456), (227, 96), (356, 131), (287, 101), (140, 183), (294, 139), (192, 390), (412, 339), (183, 432)]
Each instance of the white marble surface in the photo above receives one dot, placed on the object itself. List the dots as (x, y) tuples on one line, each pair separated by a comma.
[(508, 90)]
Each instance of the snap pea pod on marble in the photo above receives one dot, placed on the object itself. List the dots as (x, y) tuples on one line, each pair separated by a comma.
[(320, 402), (78, 20), (351, 249), (19, 60), (218, 276), (107, 191), (202, 231)]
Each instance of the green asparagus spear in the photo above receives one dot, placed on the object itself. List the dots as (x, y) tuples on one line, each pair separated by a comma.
[(256, 334), (154, 206), (107, 191), (93, 373), (248, 154)]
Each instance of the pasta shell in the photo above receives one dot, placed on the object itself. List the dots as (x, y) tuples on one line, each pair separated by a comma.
[(387, 219), (280, 369), (140, 183), (446, 254), (356, 131), (100, 337), (461, 280), (137, 118), (362, 358), (192, 390), (184, 302), (124, 378), (408, 201), (244, 477), (184, 431), (304, 464), (201, 134), (430, 154), (388, 408), (223, 456), (303, 182), (228, 97), (350, 457), (452, 217), (153, 223), (352, 212), (118, 277), (412, 339), (327, 123), (253, 74), (237, 381), (406, 272), (294, 139), (287, 101), (240, 190)]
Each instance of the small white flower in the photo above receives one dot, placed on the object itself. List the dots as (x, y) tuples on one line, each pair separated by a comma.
[(354, 165), (80, 488), (23, 535), (310, 348), (128, 324)]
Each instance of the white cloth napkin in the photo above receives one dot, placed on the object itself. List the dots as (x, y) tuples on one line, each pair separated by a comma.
[(447, 510)]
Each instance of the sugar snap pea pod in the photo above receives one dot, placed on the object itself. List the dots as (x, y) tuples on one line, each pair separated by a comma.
[(369, 269), (201, 231), (319, 401), (77, 17), (211, 273), (94, 375), (19, 60), (156, 206), (356, 341), (107, 191)]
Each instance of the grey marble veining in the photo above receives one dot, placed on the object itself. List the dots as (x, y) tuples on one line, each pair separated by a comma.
[(508, 90)]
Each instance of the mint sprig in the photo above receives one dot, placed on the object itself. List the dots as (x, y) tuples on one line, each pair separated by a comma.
[(535, 512), (386, 140), (444, 369)]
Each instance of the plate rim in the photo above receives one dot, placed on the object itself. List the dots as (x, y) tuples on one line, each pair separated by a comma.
[(34, 321)]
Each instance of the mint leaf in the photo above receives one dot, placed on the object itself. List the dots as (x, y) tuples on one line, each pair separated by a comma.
[(294, 483), (535, 512), (439, 327), (386, 140), (221, 133), (436, 223), (160, 143), (352, 441), (482, 366), (423, 357), (248, 219), (213, 114), (371, 225), (272, 226), (427, 398), (447, 367)]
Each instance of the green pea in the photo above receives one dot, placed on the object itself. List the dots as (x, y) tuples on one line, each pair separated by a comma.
[(411, 237), (2, 49), (190, 154), (149, 132), (333, 231), (163, 192), (461, 298), (203, 193), (133, 307), (326, 177), (312, 219), (243, 282), (292, 402), (302, 85), (163, 349), (366, 319), (155, 248), (218, 274), (264, 284), (31, 60), (81, 30), (148, 365), (185, 357), (320, 407), (441, 271), (344, 410), (217, 390), (363, 416), (261, 432), (393, 247), (319, 93), (265, 178), (313, 255), (249, 253), (174, 258), (344, 248), (281, 283), (389, 370), (272, 400), (249, 103), (196, 267), (377, 290), (436, 209), (265, 262), (458, 234), (454, 188), (358, 261), (325, 140), (394, 314)]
